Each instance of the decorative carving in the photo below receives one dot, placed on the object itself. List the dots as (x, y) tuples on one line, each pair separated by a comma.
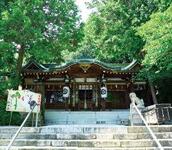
[(85, 67)]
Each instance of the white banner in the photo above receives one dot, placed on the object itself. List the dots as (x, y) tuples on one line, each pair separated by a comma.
[(22, 101)]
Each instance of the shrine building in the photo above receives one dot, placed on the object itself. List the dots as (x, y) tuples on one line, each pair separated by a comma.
[(85, 79)]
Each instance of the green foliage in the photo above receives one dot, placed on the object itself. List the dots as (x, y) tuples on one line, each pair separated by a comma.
[(38, 29), (158, 36), (111, 30), (6, 57), (42, 28), (157, 62), (4, 5), (5, 116)]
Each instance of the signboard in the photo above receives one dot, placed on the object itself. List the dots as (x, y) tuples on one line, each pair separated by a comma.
[(22, 101)]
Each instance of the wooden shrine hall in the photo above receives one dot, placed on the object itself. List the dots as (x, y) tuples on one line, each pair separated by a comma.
[(85, 84)]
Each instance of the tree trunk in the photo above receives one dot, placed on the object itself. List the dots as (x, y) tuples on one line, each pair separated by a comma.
[(19, 64), (152, 92)]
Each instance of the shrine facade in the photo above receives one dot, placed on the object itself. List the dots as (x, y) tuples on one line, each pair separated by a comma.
[(89, 84)]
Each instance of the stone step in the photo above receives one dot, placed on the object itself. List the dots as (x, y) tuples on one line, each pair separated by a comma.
[(88, 143), (129, 136), (102, 129), (76, 148), (156, 128), (12, 129), (87, 129)]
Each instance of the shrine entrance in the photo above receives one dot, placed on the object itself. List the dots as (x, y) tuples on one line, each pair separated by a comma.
[(87, 96)]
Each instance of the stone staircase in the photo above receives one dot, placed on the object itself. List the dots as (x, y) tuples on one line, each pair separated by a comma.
[(86, 137)]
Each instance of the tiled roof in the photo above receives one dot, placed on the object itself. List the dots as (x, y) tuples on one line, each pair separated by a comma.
[(109, 66)]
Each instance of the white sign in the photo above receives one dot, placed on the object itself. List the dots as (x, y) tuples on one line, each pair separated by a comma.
[(23, 100)]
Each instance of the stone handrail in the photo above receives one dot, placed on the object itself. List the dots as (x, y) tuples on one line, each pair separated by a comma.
[(147, 126), (18, 131)]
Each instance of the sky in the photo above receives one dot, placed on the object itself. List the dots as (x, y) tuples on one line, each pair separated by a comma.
[(84, 11)]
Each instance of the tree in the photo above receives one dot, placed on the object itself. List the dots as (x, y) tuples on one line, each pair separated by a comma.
[(158, 37), (112, 28), (39, 29), (4, 4), (157, 62)]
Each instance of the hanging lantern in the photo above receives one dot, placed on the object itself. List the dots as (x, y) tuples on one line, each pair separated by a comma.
[(66, 91), (103, 92)]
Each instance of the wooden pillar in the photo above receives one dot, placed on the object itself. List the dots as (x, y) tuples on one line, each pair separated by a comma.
[(76, 99), (43, 102), (76, 96), (127, 101), (85, 99), (131, 87), (127, 92), (99, 96), (73, 96), (69, 100), (96, 97)]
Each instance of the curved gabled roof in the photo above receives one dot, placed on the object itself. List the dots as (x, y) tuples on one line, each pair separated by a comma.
[(34, 63), (108, 66)]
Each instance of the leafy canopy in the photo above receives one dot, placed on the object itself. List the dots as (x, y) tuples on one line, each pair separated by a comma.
[(157, 62), (158, 46), (36, 28), (41, 28), (111, 30)]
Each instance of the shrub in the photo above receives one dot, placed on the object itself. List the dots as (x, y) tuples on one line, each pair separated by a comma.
[(5, 115)]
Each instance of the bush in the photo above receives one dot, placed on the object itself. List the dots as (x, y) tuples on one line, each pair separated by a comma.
[(5, 115)]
